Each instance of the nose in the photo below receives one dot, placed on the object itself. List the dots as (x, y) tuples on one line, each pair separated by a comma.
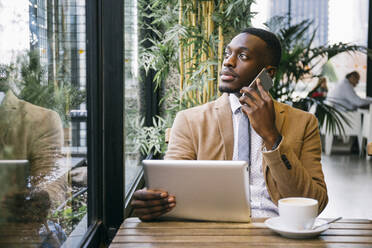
[(229, 61)]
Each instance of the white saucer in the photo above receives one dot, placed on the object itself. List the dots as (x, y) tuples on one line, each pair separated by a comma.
[(275, 225)]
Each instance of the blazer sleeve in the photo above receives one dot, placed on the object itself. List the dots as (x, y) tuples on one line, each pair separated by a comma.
[(299, 176), (181, 144), (47, 171)]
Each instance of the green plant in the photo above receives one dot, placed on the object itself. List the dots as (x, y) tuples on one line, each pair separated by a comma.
[(5, 71), (188, 37), (299, 58), (181, 37), (150, 140), (191, 34), (32, 86), (71, 214)]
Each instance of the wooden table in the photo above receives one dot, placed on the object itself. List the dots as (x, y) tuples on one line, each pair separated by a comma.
[(134, 233)]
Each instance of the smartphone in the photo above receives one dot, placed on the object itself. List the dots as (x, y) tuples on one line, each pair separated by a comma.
[(265, 79)]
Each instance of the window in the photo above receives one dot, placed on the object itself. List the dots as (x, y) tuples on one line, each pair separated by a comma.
[(132, 97), (43, 120), (331, 26)]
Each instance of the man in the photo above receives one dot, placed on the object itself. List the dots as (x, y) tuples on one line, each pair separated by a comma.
[(285, 147), (344, 95), (35, 134)]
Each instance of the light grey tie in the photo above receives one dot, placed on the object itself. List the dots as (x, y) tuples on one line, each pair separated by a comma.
[(244, 138)]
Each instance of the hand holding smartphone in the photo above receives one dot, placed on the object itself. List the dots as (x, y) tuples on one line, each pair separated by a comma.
[(265, 80)]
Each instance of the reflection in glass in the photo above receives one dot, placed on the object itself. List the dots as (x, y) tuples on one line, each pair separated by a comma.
[(42, 121), (132, 94)]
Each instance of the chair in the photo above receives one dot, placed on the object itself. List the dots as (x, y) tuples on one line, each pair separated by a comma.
[(366, 128), (355, 119)]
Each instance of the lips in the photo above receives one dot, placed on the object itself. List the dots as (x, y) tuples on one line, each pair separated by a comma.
[(228, 74), (227, 77)]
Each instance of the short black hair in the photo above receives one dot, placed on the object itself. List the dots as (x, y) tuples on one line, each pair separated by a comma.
[(272, 42), (353, 73)]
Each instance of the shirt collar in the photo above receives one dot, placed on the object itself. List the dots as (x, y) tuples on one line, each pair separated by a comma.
[(234, 103)]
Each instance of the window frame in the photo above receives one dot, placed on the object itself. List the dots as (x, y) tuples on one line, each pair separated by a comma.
[(105, 88), (105, 124)]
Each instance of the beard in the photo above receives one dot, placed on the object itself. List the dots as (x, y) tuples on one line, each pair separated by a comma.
[(224, 89)]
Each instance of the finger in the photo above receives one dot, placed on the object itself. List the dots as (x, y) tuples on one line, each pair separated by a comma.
[(149, 210), (149, 203), (244, 90), (248, 105), (251, 93), (171, 198), (144, 194), (247, 110), (152, 216)]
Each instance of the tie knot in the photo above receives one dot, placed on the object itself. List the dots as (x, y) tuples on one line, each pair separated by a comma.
[(238, 110)]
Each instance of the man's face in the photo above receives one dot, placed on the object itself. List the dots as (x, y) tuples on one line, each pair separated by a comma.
[(245, 57), (354, 80)]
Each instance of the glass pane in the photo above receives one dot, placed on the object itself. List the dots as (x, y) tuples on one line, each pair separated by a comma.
[(133, 124), (43, 169), (330, 25)]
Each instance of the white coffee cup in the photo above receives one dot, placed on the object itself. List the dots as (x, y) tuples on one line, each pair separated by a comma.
[(297, 213)]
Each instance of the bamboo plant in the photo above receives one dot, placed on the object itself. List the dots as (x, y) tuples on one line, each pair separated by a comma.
[(201, 49), (194, 40)]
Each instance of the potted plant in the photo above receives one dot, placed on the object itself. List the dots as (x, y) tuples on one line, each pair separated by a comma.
[(299, 58)]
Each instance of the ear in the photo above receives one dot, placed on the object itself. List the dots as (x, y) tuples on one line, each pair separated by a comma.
[(271, 70)]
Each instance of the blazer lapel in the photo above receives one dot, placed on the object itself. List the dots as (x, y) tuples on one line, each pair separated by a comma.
[(9, 118), (225, 124), (279, 115)]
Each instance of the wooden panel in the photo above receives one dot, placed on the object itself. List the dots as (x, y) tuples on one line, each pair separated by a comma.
[(134, 233), (12, 245), (254, 220), (136, 223), (227, 232), (227, 245), (137, 220), (193, 232), (186, 225), (348, 232), (351, 226), (240, 239)]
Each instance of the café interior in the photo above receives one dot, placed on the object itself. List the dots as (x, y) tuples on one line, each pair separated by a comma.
[(99, 84)]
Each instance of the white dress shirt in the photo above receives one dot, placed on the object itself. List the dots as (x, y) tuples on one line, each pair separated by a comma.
[(261, 203), (344, 94)]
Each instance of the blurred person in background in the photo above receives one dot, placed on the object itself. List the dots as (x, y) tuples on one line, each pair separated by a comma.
[(320, 90), (344, 95)]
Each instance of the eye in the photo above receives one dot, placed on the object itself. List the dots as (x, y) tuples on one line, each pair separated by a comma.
[(226, 54), (243, 56)]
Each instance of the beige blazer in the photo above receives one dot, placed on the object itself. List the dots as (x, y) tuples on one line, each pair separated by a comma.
[(34, 133), (293, 169)]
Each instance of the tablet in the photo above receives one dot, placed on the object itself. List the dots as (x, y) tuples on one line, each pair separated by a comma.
[(209, 190)]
